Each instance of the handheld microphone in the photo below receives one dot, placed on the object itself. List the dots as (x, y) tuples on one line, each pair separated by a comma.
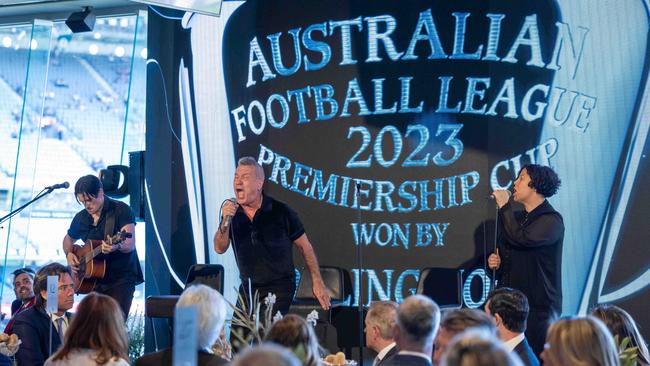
[(491, 196), (64, 185), (228, 219)]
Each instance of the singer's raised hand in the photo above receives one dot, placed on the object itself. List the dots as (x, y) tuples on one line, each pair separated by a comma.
[(228, 211), (494, 260), (501, 197), (221, 238)]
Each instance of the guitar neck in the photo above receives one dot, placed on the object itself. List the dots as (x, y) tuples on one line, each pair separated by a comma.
[(88, 257)]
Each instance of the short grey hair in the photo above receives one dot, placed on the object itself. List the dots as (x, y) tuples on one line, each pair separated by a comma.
[(384, 315), (418, 318), (211, 312), (250, 161), (266, 355)]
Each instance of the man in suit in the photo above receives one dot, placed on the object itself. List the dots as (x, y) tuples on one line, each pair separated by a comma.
[(455, 322), (33, 326), (418, 318), (211, 313), (380, 320), (509, 309), (24, 290)]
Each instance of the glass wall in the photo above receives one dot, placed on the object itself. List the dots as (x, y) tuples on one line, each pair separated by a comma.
[(70, 105)]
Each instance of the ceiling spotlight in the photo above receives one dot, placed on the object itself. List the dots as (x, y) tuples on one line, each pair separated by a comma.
[(83, 21)]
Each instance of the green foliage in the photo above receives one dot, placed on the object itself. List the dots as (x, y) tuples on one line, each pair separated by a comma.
[(626, 354), (135, 333), (246, 326)]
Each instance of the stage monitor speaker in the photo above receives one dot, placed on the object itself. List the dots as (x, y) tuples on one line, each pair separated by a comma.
[(136, 183), (114, 180), (83, 21)]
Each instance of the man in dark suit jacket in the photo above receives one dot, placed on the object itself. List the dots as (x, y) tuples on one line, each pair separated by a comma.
[(211, 315), (509, 309), (24, 290), (418, 318), (33, 326), (379, 323)]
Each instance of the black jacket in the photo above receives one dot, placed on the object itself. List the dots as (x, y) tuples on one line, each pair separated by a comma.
[(526, 353), (392, 352), (406, 360), (530, 247), (164, 358), (32, 327)]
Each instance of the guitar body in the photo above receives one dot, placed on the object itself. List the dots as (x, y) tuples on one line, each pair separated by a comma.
[(90, 270)]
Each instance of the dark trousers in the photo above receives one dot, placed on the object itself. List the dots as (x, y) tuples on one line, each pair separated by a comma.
[(120, 292), (536, 328)]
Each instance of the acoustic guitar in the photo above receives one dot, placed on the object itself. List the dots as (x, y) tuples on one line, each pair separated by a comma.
[(91, 269)]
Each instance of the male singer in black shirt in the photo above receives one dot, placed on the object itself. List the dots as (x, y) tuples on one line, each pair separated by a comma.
[(123, 270), (529, 255), (264, 232)]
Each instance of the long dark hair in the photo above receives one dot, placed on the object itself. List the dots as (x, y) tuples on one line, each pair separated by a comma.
[(620, 323), (97, 325)]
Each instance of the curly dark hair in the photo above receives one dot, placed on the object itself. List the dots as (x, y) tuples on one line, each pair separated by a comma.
[(542, 179)]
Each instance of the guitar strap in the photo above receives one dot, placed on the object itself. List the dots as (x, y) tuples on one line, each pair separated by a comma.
[(109, 226)]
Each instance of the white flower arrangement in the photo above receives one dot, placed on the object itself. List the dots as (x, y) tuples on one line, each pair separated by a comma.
[(312, 318), (246, 325)]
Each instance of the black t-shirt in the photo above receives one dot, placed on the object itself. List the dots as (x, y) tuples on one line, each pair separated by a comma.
[(264, 246), (121, 267)]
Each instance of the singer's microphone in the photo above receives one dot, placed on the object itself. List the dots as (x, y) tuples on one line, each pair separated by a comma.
[(228, 219), (491, 196), (64, 185)]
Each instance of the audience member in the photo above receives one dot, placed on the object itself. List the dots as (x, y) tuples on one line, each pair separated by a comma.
[(294, 333), (621, 324), (96, 335), (477, 347), (509, 309), (417, 323), (379, 323), (579, 341), (266, 355), (211, 309), (24, 290), (35, 327), (455, 322)]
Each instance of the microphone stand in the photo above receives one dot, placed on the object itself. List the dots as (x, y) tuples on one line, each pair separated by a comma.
[(496, 235), (360, 267), (13, 213)]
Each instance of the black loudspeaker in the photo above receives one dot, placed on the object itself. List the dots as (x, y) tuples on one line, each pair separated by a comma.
[(83, 21), (136, 183), (114, 180)]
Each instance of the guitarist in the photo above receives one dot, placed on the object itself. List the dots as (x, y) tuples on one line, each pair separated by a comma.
[(101, 218)]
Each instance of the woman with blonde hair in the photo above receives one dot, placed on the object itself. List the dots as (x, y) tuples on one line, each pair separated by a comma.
[(579, 341), (294, 333), (96, 335), (620, 323)]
